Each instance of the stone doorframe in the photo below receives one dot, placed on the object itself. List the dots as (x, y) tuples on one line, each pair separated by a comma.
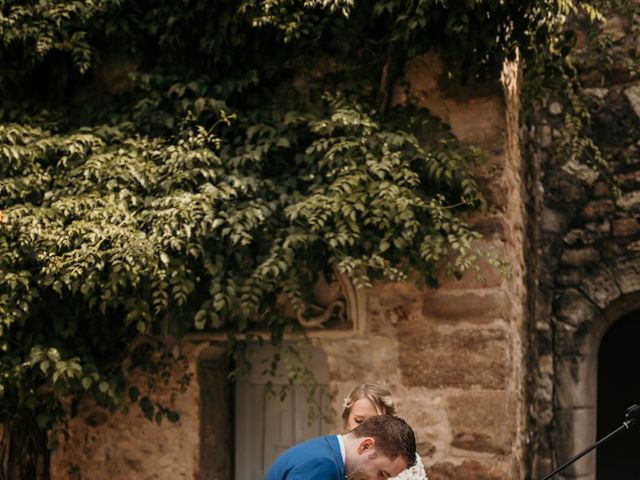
[(583, 313)]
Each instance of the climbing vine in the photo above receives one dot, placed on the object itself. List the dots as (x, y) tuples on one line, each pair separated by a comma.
[(172, 166)]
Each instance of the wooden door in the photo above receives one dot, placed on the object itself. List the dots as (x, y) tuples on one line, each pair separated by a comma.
[(266, 425)]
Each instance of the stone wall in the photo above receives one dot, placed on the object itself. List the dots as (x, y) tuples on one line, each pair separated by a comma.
[(101, 446), (584, 250), (453, 357)]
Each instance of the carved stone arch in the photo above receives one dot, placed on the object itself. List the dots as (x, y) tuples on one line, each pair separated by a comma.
[(583, 314), (337, 304)]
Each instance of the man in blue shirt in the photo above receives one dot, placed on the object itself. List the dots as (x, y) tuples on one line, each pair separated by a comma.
[(380, 447)]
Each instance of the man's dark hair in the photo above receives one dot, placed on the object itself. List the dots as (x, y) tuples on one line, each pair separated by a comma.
[(393, 436)]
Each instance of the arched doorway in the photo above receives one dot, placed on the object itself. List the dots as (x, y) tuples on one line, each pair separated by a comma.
[(618, 388)]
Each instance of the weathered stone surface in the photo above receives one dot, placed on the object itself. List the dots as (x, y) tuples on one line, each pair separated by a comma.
[(492, 228), (477, 119), (562, 417), (466, 306), (576, 381), (614, 28), (467, 470), (601, 189), (596, 93), (570, 340), (600, 287), (490, 277), (577, 237), (553, 221), (544, 136), (569, 278), (581, 171), (614, 250), (599, 227), (577, 257), (467, 358), (477, 421), (627, 274), (129, 446), (349, 360), (98, 416), (575, 428), (633, 95), (597, 209), (625, 227), (629, 201)]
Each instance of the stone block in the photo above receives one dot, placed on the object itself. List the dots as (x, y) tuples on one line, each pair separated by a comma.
[(601, 288), (574, 308), (465, 358), (483, 421), (627, 274), (625, 227), (614, 28), (575, 430), (493, 227), (578, 237), (368, 360), (599, 227), (629, 201), (570, 340), (576, 381), (580, 171), (577, 257), (129, 446), (569, 278), (467, 470), (601, 189), (553, 221), (489, 277), (633, 95), (597, 209), (476, 307)]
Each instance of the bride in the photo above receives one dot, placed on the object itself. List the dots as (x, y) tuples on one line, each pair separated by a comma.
[(368, 400)]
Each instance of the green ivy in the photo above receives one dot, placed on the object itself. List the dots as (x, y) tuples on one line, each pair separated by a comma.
[(171, 166)]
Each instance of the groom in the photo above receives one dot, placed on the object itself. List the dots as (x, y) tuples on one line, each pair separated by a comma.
[(380, 447)]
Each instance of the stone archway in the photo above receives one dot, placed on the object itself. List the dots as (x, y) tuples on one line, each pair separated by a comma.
[(583, 314), (618, 388)]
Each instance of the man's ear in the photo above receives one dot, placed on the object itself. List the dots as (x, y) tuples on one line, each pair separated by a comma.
[(366, 444)]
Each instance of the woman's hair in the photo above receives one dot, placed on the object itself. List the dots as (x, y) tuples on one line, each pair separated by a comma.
[(380, 397)]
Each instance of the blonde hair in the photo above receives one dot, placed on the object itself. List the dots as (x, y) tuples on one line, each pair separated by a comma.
[(380, 397)]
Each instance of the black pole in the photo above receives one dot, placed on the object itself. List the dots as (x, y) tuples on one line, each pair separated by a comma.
[(632, 412)]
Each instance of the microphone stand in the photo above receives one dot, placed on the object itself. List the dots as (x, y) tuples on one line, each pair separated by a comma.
[(630, 419)]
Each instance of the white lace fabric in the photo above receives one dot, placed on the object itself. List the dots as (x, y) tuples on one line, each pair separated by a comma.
[(417, 472)]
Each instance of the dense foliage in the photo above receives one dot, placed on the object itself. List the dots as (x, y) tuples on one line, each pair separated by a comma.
[(175, 165)]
